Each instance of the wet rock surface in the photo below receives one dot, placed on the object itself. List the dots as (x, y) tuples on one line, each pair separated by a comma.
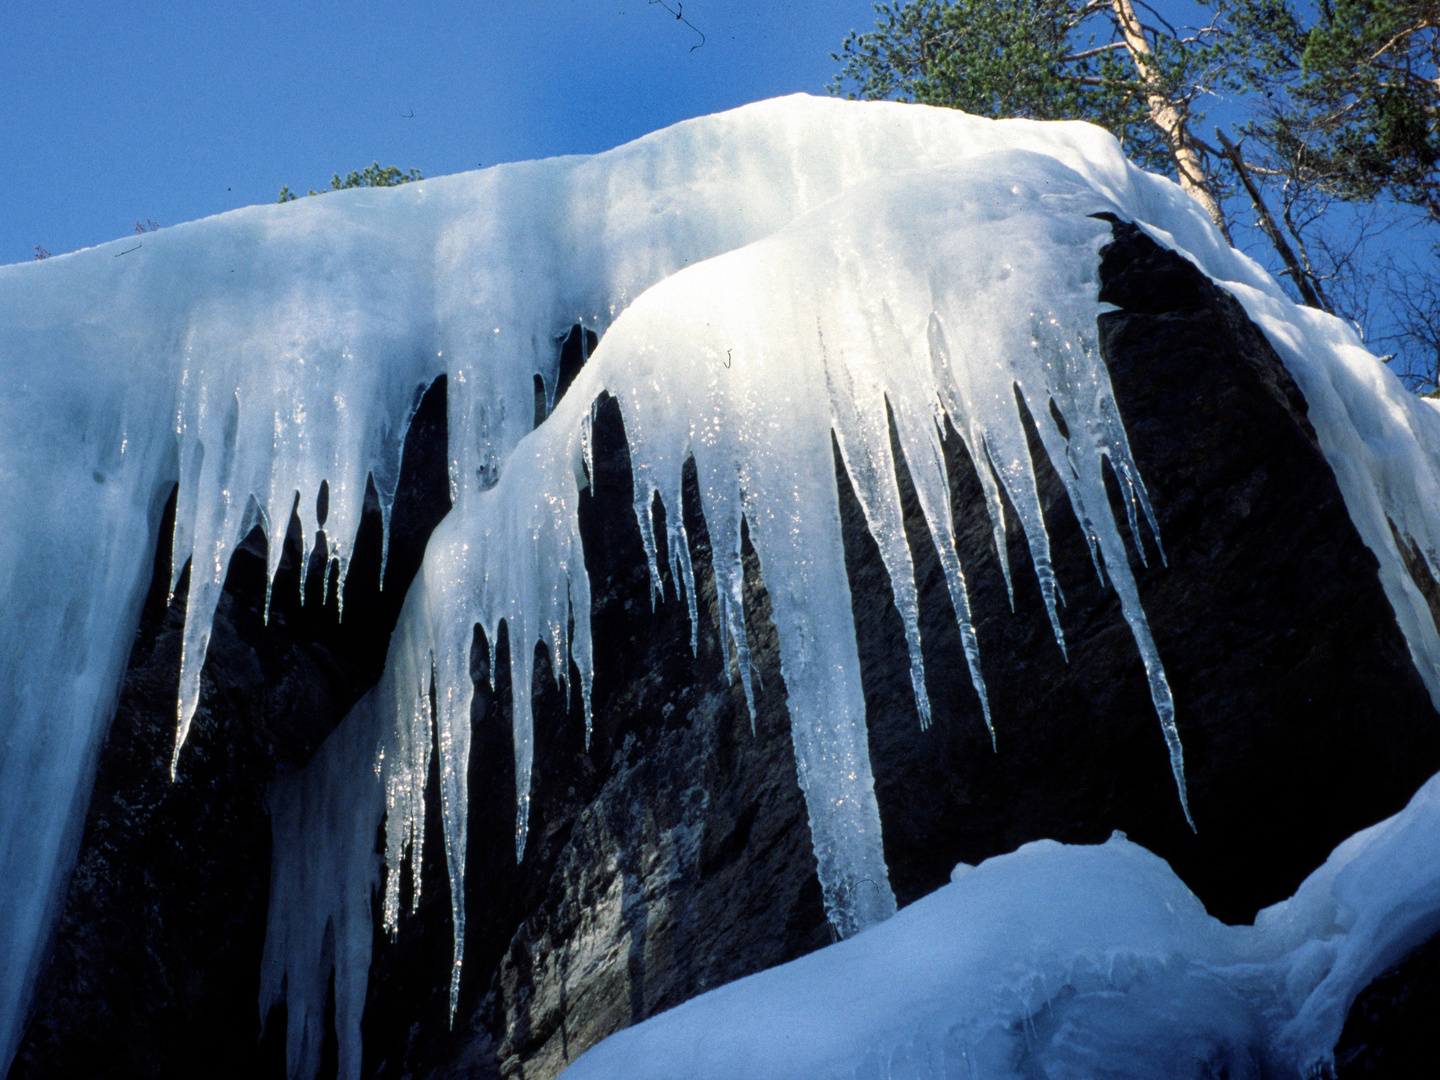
[(673, 855)]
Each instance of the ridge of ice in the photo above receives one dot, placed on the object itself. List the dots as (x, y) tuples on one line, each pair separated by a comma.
[(747, 364), (253, 355)]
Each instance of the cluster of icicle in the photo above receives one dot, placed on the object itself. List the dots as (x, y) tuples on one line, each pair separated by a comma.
[(762, 278), (928, 297)]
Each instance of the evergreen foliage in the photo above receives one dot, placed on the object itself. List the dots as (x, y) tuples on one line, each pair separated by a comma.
[(1360, 117), (1042, 59), (1342, 138), (371, 176)]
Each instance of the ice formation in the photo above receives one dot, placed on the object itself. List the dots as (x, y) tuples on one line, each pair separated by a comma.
[(1066, 961), (762, 279), (320, 918), (746, 363)]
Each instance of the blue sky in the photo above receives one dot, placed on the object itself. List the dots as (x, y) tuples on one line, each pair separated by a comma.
[(112, 113)]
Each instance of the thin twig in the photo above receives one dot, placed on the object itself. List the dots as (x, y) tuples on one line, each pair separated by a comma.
[(1272, 231), (680, 15), (1085, 54)]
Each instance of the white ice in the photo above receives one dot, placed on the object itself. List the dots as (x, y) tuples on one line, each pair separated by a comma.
[(762, 278), (1066, 961), (746, 363)]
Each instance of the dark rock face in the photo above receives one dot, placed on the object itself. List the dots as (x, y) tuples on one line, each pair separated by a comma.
[(674, 855), (1390, 1031), (1302, 716)]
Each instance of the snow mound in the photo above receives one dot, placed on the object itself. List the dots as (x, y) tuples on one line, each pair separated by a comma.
[(1066, 961)]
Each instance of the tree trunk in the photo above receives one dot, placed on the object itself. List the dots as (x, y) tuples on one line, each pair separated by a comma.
[(1164, 115)]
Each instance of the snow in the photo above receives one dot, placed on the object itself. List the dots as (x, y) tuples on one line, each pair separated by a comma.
[(1046, 962), (1066, 961), (764, 280)]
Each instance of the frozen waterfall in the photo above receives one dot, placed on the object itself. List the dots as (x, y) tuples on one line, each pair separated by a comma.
[(764, 280)]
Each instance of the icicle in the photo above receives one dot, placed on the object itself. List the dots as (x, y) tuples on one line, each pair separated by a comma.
[(950, 380), (1016, 472), (730, 592), (925, 459), (324, 871), (1103, 439), (1135, 494), (385, 509), (522, 671), (581, 649), (321, 317), (494, 632), (1127, 497), (404, 695), (872, 471), (682, 571), (587, 448), (645, 518)]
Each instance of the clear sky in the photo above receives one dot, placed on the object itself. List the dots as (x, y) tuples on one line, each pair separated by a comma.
[(111, 113)]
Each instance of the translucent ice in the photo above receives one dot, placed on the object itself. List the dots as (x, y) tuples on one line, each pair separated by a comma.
[(324, 820), (746, 364), (255, 355)]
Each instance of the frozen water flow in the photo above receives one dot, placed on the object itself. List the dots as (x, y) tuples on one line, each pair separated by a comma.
[(754, 365), (86, 469), (791, 339), (405, 755), (324, 871), (252, 356), (772, 282), (873, 467)]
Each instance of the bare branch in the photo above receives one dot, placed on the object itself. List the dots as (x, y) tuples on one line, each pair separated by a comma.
[(1423, 24), (1085, 54), (1287, 256), (1147, 7)]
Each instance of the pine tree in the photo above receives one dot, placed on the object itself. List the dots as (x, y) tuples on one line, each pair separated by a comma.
[(371, 176), (1361, 113)]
